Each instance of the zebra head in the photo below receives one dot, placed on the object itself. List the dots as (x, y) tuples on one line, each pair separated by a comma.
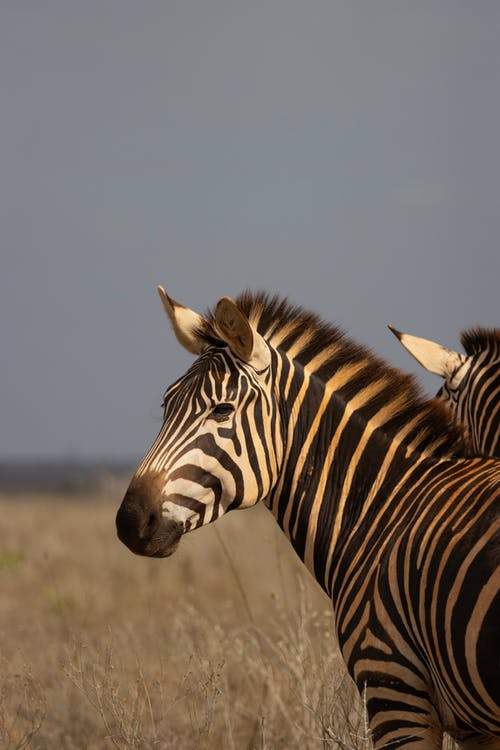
[(216, 449), (471, 381)]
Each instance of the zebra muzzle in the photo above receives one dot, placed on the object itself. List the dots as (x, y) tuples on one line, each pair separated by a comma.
[(141, 526)]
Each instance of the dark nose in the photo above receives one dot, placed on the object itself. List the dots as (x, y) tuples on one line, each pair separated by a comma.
[(138, 518)]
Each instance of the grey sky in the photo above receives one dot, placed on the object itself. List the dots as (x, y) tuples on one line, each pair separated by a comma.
[(343, 153)]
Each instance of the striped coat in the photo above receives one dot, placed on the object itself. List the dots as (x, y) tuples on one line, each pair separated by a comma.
[(372, 485)]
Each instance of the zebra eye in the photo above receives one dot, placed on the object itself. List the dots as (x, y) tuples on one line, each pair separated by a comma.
[(221, 412)]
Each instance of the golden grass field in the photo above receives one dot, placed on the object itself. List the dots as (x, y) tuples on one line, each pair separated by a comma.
[(227, 644)]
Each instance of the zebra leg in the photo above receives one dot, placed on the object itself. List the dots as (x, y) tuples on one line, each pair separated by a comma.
[(396, 686), (402, 720)]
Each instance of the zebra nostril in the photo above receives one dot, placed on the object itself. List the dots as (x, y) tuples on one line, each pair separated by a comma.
[(137, 520), (152, 521), (150, 525)]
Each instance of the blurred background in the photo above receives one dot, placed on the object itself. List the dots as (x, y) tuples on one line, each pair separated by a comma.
[(345, 154)]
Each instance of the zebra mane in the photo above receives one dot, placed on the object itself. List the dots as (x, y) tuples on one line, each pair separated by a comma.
[(290, 328), (475, 340)]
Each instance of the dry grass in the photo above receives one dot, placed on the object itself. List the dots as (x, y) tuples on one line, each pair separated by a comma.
[(227, 644)]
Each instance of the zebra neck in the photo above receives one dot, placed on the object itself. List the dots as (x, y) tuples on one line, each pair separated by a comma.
[(337, 465)]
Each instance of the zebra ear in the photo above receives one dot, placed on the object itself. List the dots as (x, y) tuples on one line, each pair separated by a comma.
[(234, 328), (185, 323), (432, 356)]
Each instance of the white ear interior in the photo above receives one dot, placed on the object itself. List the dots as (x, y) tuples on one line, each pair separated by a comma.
[(432, 356), (185, 323), (234, 328)]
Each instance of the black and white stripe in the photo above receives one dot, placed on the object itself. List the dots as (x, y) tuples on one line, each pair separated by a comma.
[(371, 483)]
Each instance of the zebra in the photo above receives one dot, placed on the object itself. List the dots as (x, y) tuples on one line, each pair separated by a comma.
[(371, 483), (471, 385)]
